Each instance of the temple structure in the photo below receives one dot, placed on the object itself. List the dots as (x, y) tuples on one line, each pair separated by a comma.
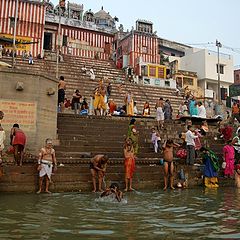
[(42, 29)]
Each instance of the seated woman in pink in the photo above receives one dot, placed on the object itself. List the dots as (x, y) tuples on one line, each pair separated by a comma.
[(228, 157), (18, 141)]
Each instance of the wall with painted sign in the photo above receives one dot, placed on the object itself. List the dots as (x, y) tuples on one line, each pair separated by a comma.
[(23, 113), (32, 107), (19, 42)]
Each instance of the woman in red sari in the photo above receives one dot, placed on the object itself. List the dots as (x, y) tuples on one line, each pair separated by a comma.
[(18, 141), (227, 132)]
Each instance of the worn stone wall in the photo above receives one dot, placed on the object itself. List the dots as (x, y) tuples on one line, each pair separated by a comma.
[(30, 106)]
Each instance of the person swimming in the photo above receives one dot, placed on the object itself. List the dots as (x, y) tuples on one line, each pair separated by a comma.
[(113, 191)]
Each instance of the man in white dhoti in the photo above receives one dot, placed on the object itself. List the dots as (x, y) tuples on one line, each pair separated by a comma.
[(91, 74), (46, 161)]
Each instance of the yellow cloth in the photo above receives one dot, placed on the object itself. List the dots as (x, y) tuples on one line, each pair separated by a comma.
[(102, 104), (96, 101), (99, 102), (211, 182), (130, 108)]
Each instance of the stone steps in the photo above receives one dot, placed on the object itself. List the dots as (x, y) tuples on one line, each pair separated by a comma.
[(76, 177), (77, 80)]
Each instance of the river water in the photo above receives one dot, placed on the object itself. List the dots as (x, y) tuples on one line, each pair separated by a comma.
[(178, 214)]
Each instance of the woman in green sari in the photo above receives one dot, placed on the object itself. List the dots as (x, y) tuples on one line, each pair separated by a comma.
[(133, 135)]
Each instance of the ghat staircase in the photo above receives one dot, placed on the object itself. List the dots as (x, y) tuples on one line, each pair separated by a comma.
[(71, 70), (80, 138)]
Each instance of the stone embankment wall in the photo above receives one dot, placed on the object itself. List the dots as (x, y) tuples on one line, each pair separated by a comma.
[(30, 100)]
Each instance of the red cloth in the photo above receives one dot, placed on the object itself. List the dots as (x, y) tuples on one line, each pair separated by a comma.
[(19, 138), (182, 153), (229, 154), (227, 133), (112, 107), (197, 141), (237, 167), (129, 167)]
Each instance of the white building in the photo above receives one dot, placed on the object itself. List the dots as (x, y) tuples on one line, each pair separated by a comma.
[(204, 62)]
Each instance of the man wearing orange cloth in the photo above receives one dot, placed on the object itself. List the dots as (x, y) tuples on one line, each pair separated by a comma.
[(129, 164)]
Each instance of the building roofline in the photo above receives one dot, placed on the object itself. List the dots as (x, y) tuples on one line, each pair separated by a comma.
[(33, 2), (181, 44)]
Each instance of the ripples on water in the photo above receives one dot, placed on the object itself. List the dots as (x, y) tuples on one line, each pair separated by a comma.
[(187, 214)]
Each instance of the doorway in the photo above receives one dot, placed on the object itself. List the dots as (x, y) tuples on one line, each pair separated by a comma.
[(47, 45)]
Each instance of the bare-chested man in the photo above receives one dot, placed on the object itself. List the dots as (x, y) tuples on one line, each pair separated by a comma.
[(46, 161), (61, 93), (168, 162), (98, 167)]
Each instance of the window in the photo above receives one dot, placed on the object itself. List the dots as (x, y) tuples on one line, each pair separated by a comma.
[(152, 71), (12, 21), (160, 72), (64, 41), (144, 71), (179, 81), (146, 81), (221, 68), (157, 81), (187, 81), (144, 49), (237, 77), (102, 22), (167, 83)]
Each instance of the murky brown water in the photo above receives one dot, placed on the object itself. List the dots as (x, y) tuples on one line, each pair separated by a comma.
[(179, 214)]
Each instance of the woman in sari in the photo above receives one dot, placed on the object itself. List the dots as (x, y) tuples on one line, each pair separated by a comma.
[(129, 103), (133, 135), (193, 107)]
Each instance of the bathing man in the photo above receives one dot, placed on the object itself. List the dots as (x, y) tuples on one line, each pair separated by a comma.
[(46, 161), (168, 162), (98, 165)]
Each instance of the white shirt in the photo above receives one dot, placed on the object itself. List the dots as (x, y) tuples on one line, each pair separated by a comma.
[(190, 138), (2, 139), (202, 112), (135, 111), (237, 146), (153, 139), (237, 130)]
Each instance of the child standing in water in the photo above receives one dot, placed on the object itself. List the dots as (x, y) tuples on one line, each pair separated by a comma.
[(129, 164), (229, 158), (114, 192), (237, 175), (168, 162)]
